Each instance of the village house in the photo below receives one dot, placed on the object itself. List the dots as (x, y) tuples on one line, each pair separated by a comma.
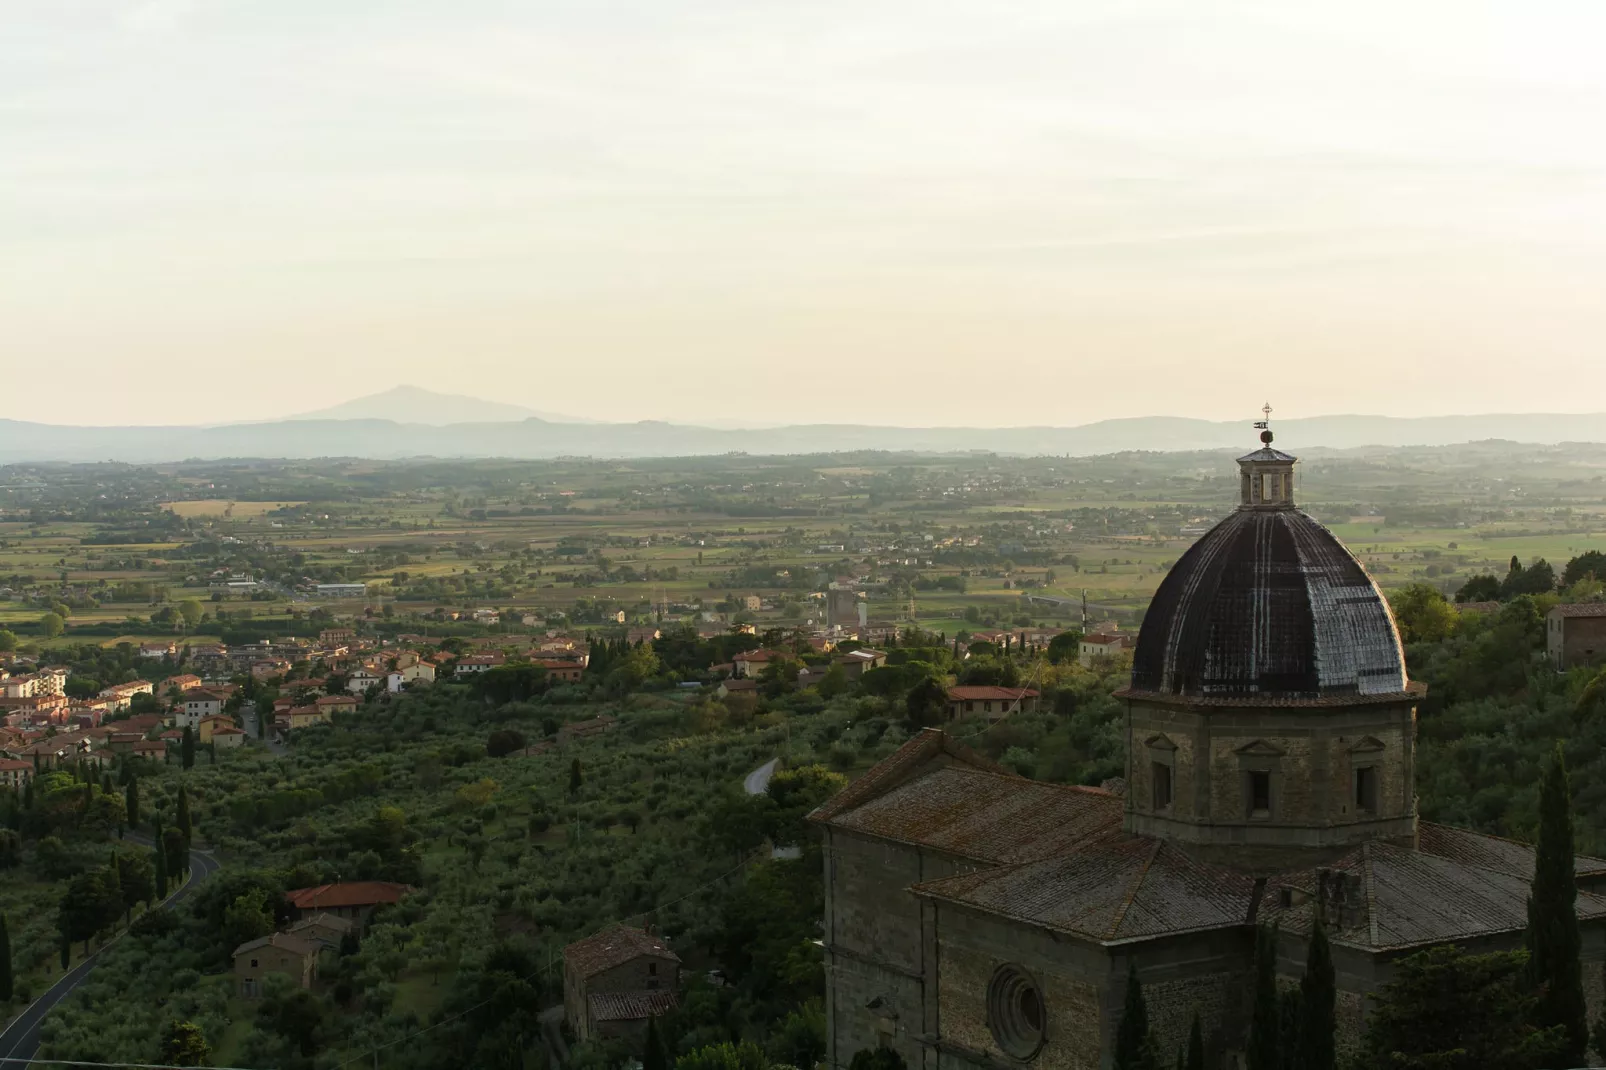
[(414, 671), (151, 748), (304, 717), (123, 742), (642, 635), (198, 703), (354, 901), (751, 663), (158, 649), (122, 695), (15, 773), (1575, 634), (858, 662), (180, 683), (323, 929), (336, 703), (478, 663), (279, 953), (59, 751), (337, 637), (615, 982), (208, 726), (268, 668), (568, 672), (735, 686), (360, 680), (990, 702), (1101, 645), (227, 737)]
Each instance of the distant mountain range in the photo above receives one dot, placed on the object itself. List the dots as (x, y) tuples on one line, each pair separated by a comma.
[(411, 422)]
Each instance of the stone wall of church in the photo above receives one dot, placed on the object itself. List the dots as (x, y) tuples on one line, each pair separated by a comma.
[(1083, 987), (875, 953), (1310, 755)]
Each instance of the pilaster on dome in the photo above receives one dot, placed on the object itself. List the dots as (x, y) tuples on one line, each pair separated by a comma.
[(1266, 479)]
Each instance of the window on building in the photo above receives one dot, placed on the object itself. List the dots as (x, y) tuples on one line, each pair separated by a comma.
[(652, 969), (1162, 785), (1259, 794), (1366, 789)]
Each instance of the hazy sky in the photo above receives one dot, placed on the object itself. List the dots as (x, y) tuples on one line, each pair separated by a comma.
[(900, 211)]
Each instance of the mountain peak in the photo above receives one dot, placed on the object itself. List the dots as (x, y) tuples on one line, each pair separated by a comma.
[(409, 404)]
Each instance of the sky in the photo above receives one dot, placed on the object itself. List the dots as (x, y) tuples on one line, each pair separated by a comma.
[(913, 212)]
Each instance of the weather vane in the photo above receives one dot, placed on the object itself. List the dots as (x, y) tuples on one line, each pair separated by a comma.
[(1264, 425)]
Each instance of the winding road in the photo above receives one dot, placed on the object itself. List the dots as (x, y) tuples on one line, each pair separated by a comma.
[(20, 1040), (758, 781)]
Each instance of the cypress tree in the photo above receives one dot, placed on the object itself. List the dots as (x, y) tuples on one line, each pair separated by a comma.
[(131, 800), (161, 867), (183, 819), (1265, 1021), (66, 952), (1318, 996), (5, 961), (654, 1056), (1553, 940), (187, 748), (575, 779), (1196, 1052), (1132, 1035)]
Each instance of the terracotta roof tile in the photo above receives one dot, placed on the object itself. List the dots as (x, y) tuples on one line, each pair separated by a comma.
[(1113, 888), (631, 1006), (348, 894), (613, 947)]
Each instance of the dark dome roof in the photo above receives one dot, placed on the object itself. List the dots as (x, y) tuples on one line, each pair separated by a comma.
[(1268, 603)]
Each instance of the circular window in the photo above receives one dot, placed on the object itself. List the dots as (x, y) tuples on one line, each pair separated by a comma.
[(1015, 1012)]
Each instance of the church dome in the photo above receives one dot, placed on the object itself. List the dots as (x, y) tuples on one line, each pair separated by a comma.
[(1268, 604)]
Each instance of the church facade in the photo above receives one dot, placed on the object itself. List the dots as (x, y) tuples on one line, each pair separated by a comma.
[(975, 918)]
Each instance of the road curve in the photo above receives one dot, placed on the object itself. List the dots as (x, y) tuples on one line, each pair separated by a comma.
[(20, 1040), (758, 781)]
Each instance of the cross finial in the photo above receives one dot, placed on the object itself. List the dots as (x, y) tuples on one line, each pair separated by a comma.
[(1267, 410), (1264, 425)]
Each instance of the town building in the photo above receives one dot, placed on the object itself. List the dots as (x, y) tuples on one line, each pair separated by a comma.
[(279, 953), (1576, 634), (616, 981), (355, 901), (978, 919), (993, 703), (197, 704), (1099, 645), (325, 930)]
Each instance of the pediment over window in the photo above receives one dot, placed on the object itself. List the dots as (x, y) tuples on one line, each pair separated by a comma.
[(1367, 745), (1160, 742), (1261, 749)]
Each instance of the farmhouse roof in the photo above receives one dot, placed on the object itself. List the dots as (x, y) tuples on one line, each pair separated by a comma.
[(293, 944), (1580, 609), (631, 1006), (614, 947), (349, 894), (979, 693)]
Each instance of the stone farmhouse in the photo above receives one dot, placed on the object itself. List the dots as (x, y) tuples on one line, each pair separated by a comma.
[(979, 919), (616, 981)]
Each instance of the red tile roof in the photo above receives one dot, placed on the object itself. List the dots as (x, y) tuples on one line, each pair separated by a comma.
[(969, 693), (349, 894), (1580, 609)]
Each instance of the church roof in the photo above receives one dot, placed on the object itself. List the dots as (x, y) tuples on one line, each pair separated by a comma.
[(1412, 898), (1114, 888), (1055, 857), (1268, 603), (940, 794)]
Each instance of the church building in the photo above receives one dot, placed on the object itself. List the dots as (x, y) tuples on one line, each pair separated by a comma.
[(979, 919)]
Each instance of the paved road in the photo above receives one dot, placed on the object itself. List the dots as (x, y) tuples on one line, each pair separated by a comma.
[(249, 715), (20, 1040), (758, 781)]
